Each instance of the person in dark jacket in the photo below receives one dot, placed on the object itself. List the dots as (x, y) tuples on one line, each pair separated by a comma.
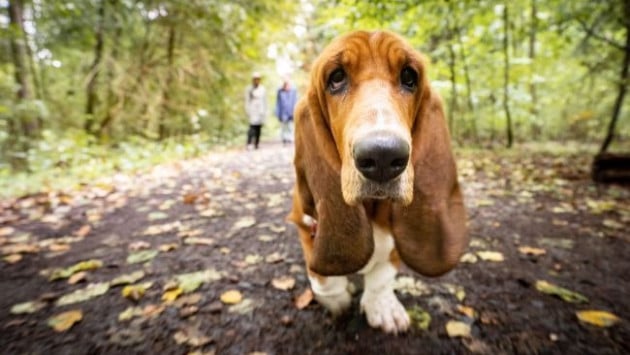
[(285, 103)]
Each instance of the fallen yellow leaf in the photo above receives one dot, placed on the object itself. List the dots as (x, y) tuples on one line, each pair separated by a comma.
[(490, 256), (231, 297), (598, 318), (456, 329), (64, 321), (135, 292), (172, 294)]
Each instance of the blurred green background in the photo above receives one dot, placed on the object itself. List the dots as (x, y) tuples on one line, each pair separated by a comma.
[(92, 87)]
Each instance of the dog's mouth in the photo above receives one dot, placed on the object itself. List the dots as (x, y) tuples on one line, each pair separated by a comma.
[(357, 188), (388, 190)]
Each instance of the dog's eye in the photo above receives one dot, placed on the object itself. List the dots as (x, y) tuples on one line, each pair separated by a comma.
[(337, 81), (408, 78)]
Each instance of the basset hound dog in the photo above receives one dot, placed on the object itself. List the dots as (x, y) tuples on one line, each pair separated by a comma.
[(376, 182)]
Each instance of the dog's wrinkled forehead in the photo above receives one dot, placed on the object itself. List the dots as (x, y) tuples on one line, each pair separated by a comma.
[(366, 55)]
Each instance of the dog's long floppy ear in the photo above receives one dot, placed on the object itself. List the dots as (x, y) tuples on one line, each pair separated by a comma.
[(342, 241), (430, 233)]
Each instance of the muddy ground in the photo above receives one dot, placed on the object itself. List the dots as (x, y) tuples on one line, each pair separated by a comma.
[(225, 213)]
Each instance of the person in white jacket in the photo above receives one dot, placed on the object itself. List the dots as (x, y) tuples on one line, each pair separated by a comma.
[(256, 109)]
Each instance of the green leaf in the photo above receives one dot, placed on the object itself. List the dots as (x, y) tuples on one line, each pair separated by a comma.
[(189, 282), (84, 294), (420, 318), (27, 307), (92, 264), (563, 293), (127, 279), (142, 256)]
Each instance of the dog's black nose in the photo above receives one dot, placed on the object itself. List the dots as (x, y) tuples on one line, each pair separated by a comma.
[(381, 158)]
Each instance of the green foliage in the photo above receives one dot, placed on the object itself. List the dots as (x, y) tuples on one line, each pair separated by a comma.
[(574, 73), (67, 160), (164, 74)]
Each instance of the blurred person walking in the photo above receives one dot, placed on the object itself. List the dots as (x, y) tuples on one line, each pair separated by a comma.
[(256, 109), (285, 103)]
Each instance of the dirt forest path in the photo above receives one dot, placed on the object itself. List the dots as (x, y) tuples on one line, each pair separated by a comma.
[(143, 264)]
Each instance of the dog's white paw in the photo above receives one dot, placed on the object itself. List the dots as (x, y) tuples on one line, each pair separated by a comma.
[(332, 293), (336, 304), (384, 311)]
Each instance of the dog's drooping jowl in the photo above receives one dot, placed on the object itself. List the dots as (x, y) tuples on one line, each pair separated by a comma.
[(376, 178)]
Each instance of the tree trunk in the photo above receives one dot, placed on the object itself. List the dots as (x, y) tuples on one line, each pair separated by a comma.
[(469, 100), (95, 68), (22, 129), (18, 49), (623, 81), (506, 76), (532, 57), (451, 66), (453, 105), (112, 102), (162, 131)]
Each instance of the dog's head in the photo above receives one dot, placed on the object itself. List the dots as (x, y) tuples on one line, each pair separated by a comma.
[(369, 87)]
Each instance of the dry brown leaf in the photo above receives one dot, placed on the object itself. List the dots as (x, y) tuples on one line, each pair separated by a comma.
[(199, 241), (283, 283), (6, 231), (56, 247), (168, 247), (532, 251), (12, 258), (139, 245), (64, 321), (20, 248), (231, 297), (83, 231), (467, 311), (274, 258), (304, 299), (76, 278), (190, 198)]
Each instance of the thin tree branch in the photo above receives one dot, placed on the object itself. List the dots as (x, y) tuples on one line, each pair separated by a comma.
[(591, 32)]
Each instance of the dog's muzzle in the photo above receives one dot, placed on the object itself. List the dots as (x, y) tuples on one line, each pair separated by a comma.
[(381, 158)]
